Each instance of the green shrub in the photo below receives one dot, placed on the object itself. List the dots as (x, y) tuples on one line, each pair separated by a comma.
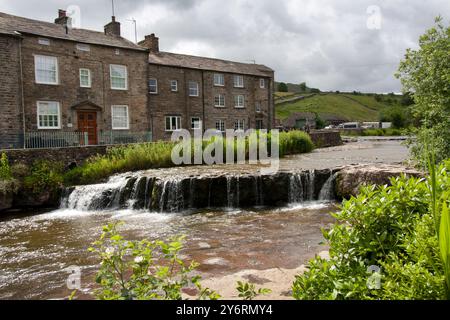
[(44, 176), (20, 171), (390, 227), (5, 170), (143, 270), (10, 186)]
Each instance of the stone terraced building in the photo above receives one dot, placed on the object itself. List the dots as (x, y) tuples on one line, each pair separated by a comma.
[(63, 86)]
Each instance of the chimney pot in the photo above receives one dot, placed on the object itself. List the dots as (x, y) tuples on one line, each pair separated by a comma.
[(150, 42), (113, 28), (62, 19)]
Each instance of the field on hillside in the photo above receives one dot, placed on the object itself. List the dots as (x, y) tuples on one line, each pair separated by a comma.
[(332, 104)]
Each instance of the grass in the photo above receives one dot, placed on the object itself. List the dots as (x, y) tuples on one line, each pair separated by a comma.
[(331, 104), (158, 155), (279, 95), (376, 133)]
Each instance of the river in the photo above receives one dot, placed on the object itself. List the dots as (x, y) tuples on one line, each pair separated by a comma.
[(36, 248)]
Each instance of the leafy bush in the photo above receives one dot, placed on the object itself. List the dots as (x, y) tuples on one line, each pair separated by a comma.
[(247, 291), (20, 171), (44, 176), (143, 270), (5, 170), (294, 142), (391, 227), (10, 186)]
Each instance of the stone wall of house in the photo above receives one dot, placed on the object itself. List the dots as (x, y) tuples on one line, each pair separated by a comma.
[(100, 96), (10, 92), (168, 103)]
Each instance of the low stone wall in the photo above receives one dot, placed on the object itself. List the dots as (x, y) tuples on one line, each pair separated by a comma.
[(325, 139), (68, 156)]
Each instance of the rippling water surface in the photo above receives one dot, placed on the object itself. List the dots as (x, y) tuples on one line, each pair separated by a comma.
[(36, 250)]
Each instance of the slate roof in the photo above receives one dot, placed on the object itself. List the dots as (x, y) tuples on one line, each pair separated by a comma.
[(10, 24), (202, 63)]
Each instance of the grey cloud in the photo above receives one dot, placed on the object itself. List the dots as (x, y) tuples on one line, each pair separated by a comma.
[(323, 42)]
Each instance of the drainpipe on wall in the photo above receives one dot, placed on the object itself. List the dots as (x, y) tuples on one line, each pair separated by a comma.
[(203, 121), (21, 92)]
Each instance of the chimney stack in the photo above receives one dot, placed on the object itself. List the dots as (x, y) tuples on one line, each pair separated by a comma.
[(150, 42), (62, 19), (113, 28)]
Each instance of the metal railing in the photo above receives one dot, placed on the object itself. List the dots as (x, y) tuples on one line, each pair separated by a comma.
[(55, 139), (63, 139)]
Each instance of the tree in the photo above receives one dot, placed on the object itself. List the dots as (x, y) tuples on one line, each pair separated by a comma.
[(282, 87), (425, 75), (303, 87), (406, 100), (320, 124)]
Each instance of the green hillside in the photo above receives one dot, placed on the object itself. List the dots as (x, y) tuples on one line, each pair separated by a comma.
[(346, 106)]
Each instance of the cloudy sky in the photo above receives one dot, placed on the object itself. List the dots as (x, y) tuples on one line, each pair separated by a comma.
[(330, 44)]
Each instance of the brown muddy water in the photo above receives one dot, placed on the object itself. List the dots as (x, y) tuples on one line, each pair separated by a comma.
[(36, 250)]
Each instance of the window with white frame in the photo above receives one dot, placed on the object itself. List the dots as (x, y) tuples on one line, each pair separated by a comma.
[(46, 69), (83, 47), (238, 81), (174, 85), (196, 123), (153, 86), (239, 101), (173, 123), (259, 124), (193, 89), (48, 113), (258, 107), (85, 78), (219, 79), (119, 77), (262, 83), (219, 101), (220, 125), (44, 41), (239, 125), (120, 118)]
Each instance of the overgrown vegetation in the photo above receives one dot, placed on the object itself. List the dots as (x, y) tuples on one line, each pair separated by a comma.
[(375, 132), (390, 229), (8, 185), (158, 155), (150, 270), (425, 76), (45, 176)]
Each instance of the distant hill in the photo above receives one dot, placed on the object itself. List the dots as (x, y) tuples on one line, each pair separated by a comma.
[(345, 106), (294, 88)]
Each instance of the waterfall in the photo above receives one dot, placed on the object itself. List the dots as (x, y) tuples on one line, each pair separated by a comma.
[(258, 190), (176, 193), (327, 191), (97, 196), (311, 184), (295, 188), (175, 197)]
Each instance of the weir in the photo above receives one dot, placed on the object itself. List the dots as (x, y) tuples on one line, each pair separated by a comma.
[(170, 194)]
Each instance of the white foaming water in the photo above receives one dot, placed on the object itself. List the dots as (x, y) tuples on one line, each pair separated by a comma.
[(327, 190), (308, 205), (83, 197)]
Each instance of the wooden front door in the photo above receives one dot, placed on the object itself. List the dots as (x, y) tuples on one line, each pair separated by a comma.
[(87, 122)]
